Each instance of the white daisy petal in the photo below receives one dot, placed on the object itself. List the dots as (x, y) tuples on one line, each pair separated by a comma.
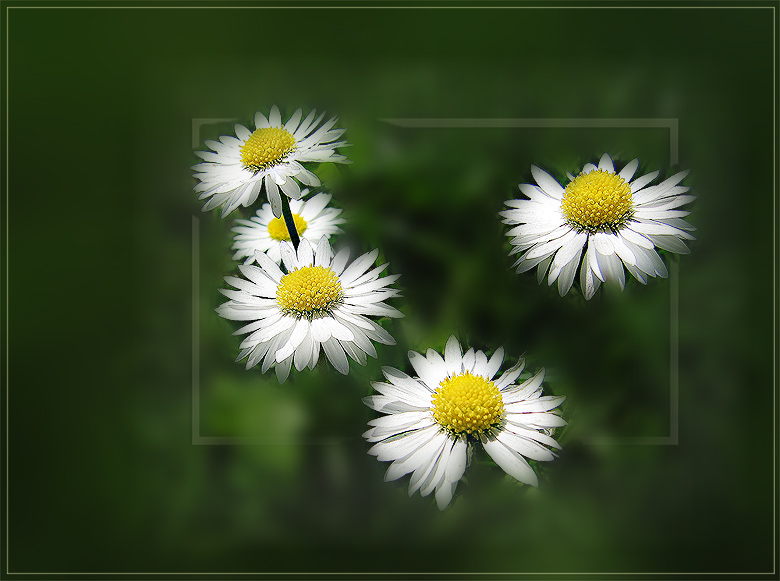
[(629, 170), (400, 421), (261, 121), (437, 362), (548, 183), (418, 461), (589, 280), (292, 122), (300, 332), (510, 375), (453, 356), (402, 446), (605, 163), (340, 261), (568, 253), (444, 494), (623, 251), (269, 266), (242, 132), (430, 375), (275, 118), (469, 358), (510, 462), (335, 353), (457, 463), (320, 330), (670, 243), (389, 405), (495, 363), (289, 256), (541, 404), (525, 390), (414, 394), (291, 188), (324, 254), (305, 254), (314, 206), (540, 420), (612, 269), (566, 277), (359, 266), (339, 331), (282, 369), (636, 238), (553, 245), (433, 475), (480, 364), (641, 182), (273, 196), (542, 271), (303, 353), (524, 446)]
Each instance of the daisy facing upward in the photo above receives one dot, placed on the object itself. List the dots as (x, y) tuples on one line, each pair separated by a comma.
[(271, 156), (457, 402), (601, 217), (320, 301)]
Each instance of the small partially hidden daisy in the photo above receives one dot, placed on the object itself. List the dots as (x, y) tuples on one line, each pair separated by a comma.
[(614, 221), (265, 233), (236, 171), (319, 302), (454, 404)]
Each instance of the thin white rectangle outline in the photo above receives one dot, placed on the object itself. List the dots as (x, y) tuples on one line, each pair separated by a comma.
[(774, 284), (672, 124)]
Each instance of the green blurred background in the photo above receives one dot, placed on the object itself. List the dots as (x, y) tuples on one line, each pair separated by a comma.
[(109, 469)]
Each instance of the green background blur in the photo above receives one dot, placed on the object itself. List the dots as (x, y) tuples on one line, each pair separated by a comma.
[(113, 271)]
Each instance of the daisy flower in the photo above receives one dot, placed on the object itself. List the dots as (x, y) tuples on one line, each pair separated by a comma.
[(319, 302), (603, 217), (235, 172), (455, 403), (265, 233)]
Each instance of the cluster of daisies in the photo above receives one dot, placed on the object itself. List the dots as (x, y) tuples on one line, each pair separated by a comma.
[(295, 297)]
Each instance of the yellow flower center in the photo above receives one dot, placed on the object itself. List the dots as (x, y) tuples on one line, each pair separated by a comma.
[(309, 292), (277, 229), (599, 201), (266, 147), (467, 404)]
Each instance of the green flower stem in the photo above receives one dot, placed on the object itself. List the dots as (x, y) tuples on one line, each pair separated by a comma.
[(290, 223)]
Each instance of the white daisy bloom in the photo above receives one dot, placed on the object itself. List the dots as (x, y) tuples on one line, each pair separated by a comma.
[(235, 172), (455, 402), (603, 217), (319, 302), (265, 233)]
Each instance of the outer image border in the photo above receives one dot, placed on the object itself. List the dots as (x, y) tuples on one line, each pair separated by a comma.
[(9, 9)]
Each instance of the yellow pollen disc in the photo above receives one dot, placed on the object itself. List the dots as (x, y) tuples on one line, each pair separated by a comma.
[(467, 404), (599, 201), (266, 147), (277, 229), (309, 292)]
